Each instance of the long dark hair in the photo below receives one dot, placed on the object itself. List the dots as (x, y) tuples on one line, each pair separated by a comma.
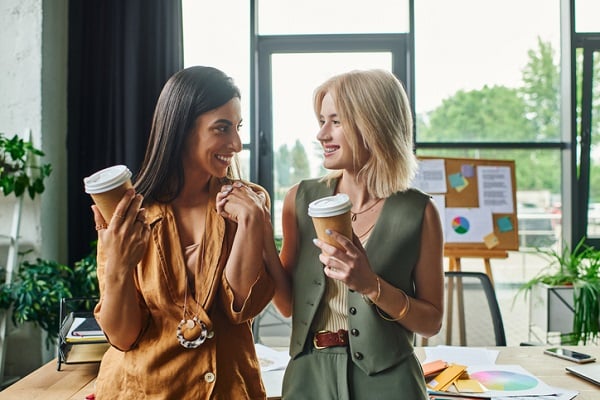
[(186, 95)]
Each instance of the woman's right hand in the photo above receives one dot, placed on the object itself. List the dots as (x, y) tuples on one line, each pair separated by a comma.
[(126, 237), (123, 244)]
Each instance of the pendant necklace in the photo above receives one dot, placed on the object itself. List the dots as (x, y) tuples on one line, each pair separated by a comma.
[(188, 325), (353, 214), (362, 235)]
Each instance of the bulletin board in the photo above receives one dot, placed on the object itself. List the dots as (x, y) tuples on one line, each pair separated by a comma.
[(469, 183)]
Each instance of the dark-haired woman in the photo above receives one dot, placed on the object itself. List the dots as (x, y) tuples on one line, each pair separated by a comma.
[(179, 283)]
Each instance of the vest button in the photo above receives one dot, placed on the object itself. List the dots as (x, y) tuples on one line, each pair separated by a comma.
[(355, 332), (209, 377), (352, 310), (358, 355)]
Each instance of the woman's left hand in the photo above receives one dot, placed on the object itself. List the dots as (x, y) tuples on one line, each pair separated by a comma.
[(350, 265), (239, 203)]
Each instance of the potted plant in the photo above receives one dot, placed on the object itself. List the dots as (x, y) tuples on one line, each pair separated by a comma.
[(18, 171), (575, 273), (36, 292)]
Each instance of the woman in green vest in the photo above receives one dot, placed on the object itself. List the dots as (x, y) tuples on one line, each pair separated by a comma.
[(356, 307)]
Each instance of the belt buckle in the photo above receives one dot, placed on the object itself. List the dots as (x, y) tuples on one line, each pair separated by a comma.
[(315, 340)]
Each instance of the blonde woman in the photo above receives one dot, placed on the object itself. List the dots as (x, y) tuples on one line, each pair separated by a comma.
[(355, 310)]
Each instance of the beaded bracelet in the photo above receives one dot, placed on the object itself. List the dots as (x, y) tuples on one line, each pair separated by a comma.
[(367, 299), (402, 313)]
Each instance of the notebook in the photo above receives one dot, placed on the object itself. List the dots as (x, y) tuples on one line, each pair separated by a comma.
[(590, 372)]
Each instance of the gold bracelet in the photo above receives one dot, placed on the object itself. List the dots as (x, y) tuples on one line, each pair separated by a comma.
[(367, 299), (402, 313), (406, 307)]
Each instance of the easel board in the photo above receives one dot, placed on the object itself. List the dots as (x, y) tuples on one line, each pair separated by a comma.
[(478, 202)]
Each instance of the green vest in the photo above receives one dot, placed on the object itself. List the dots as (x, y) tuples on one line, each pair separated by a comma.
[(392, 249)]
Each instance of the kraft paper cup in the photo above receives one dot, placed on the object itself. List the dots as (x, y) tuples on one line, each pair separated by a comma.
[(107, 188), (331, 212)]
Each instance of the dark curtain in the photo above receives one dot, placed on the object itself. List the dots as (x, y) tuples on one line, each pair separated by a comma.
[(120, 55)]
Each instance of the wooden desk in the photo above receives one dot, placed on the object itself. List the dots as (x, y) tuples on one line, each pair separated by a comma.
[(72, 382), (550, 370), (75, 381)]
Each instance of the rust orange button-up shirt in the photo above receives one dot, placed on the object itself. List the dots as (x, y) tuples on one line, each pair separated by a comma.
[(225, 366)]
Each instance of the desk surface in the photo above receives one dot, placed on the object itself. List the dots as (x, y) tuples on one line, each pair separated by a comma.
[(75, 381), (551, 370)]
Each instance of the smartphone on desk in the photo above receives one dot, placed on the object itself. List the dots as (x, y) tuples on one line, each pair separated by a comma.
[(570, 355)]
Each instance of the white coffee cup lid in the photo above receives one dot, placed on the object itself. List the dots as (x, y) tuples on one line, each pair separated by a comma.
[(330, 206), (106, 179)]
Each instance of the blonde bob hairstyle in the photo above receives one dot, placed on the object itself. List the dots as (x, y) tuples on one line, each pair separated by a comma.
[(375, 114)]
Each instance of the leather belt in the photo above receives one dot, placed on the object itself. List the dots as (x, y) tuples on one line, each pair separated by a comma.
[(324, 339)]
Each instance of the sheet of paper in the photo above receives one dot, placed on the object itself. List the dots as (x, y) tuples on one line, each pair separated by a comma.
[(440, 203), (508, 380), (467, 225), (562, 394), (431, 176), (495, 189), (461, 355), (270, 359)]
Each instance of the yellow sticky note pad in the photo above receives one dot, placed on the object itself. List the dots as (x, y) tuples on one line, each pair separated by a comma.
[(491, 240), (447, 377), (468, 386)]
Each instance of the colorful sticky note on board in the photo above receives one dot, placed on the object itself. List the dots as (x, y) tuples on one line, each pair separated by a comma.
[(457, 181), (467, 170), (491, 240), (504, 224)]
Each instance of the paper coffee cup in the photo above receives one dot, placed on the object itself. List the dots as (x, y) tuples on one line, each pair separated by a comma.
[(331, 212), (107, 188)]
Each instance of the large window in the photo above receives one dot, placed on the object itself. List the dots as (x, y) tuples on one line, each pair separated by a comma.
[(216, 33), (484, 78), (310, 17), (486, 90)]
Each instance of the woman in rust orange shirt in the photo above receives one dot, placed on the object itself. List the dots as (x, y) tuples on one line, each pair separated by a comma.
[(179, 283)]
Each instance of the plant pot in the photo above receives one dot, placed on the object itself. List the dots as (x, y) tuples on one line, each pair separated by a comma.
[(550, 311)]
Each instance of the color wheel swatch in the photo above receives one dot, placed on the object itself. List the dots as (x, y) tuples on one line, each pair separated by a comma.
[(504, 380)]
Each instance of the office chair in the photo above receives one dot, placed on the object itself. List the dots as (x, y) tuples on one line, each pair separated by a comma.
[(270, 323), (471, 315)]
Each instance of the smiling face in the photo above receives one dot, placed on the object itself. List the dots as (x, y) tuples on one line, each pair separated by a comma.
[(215, 139), (337, 153)]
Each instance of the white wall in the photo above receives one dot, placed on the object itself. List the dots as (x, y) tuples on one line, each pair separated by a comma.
[(33, 84), (33, 93)]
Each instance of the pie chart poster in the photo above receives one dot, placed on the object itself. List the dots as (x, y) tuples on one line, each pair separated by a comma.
[(467, 225)]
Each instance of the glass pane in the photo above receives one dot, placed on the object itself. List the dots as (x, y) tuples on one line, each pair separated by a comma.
[(230, 53), (476, 80), (244, 160), (297, 153), (538, 183), (594, 198), (292, 17), (586, 16)]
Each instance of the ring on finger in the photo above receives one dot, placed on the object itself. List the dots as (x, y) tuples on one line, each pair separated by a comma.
[(119, 216), (333, 269), (101, 226)]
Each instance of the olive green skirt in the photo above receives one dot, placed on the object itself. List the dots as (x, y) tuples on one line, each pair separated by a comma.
[(330, 374)]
